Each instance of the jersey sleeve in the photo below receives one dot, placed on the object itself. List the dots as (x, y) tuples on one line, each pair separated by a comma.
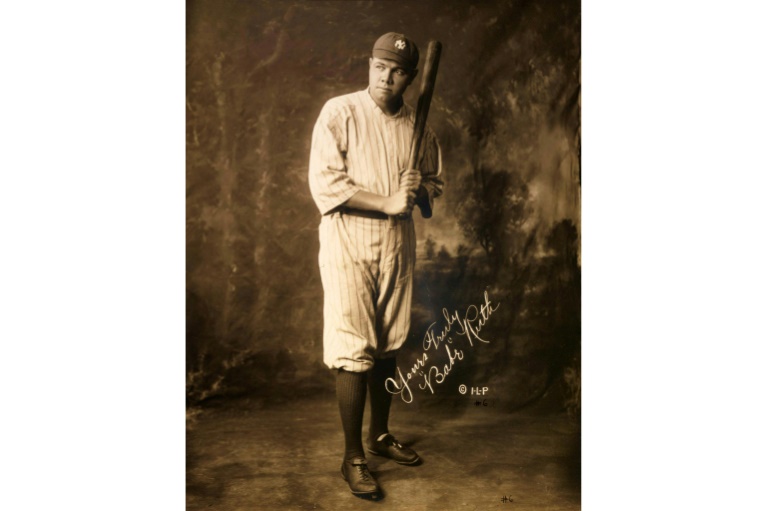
[(431, 167), (329, 181)]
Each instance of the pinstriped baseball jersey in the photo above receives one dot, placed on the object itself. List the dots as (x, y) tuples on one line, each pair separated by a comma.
[(366, 264)]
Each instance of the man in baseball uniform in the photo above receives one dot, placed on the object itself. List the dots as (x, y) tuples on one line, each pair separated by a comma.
[(359, 181)]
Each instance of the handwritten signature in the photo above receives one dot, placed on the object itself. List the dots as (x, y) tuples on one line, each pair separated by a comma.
[(468, 325)]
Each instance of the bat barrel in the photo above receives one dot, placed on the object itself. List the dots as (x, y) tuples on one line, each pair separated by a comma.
[(431, 62)]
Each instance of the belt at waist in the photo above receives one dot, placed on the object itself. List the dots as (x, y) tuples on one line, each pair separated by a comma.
[(378, 215)]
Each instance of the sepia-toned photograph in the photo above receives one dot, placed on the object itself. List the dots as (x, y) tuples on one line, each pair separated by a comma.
[(383, 255), (336, 255)]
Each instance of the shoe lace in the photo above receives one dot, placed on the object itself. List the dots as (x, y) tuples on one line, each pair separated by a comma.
[(391, 441), (363, 471)]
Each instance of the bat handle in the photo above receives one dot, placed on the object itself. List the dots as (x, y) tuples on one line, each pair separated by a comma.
[(395, 218), (402, 216)]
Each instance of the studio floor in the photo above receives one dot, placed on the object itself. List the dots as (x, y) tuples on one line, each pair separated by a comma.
[(247, 454)]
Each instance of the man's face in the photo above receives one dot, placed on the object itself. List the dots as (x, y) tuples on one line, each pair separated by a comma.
[(387, 79)]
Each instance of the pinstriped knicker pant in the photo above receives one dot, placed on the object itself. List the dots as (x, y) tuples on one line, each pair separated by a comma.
[(366, 267)]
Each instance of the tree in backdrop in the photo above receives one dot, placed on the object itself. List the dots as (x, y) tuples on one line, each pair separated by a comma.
[(520, 127), (429, 248)]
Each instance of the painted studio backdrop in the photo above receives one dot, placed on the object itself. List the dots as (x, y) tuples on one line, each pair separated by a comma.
[(498, 269)]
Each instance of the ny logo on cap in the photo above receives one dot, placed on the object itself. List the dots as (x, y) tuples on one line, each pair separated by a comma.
[(400, 44)]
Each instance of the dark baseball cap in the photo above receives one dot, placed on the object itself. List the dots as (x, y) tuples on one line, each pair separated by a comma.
[(397, 47)]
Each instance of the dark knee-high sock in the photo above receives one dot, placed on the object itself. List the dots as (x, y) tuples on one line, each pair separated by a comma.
[(350, 392), (380, 398)]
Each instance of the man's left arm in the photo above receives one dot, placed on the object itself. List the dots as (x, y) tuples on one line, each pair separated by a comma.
[(431, 167)]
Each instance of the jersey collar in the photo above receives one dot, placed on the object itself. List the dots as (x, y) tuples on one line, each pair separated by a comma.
[(397, 115)]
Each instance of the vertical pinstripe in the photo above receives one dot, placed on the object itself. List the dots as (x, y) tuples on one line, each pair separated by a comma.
[(366, 266)]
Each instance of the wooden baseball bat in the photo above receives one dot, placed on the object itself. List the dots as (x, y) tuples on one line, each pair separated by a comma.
[(425, 99), (429, 76)]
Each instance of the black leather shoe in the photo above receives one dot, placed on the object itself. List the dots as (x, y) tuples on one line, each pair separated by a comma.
[(361, 482), (389, 447)]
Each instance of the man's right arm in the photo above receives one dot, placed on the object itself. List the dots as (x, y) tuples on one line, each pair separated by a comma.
[(400, 202), (329, 182)]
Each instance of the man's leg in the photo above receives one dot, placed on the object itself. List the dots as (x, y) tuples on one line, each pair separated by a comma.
[(380, 398), (349, 334), (393, 310), (379, 440), (350, 392)]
